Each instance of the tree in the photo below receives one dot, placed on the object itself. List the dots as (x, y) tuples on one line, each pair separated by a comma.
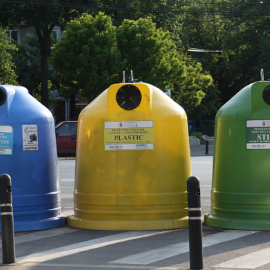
[(93, 53), (150, 52), (196, 93), (240, 30), (246, 45), (154, 57), (87, 60), (7, 73), (43, 17), (204, 27), (27, 61), (165, 14)]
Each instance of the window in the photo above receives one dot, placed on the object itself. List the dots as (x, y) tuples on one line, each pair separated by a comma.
[(56, 32), (67, 129), (13, 35)]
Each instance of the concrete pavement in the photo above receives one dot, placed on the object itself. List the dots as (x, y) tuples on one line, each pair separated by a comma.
[(200, 150)]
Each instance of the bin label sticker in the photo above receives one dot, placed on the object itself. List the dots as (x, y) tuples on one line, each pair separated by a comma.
[(258, 134), (30, 137), (6, 140), (129, 135)]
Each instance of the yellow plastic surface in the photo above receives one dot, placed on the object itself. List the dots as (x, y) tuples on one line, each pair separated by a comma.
[(141, 189)]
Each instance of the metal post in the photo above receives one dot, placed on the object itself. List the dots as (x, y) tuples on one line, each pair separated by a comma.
[(195, 223), (124, 76), (206, 146), (131, 76), (7, 222)]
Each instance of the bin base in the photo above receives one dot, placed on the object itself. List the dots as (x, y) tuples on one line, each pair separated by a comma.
[(127, 225), (237, 224), (50, 223)]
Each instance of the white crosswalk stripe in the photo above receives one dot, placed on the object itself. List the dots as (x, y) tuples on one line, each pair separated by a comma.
[(159, 254), (38, 235), (67, 180), (149, 259), (144, 258), (249, 261), (87, 245), (66, 196), (102, 266)]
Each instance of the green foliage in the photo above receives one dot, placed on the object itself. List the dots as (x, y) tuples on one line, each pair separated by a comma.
[(43, 17), (196, 134), (160, 11), (93, 53), (87, 60), (149, 52), (246, 45), (204, 28), (238, 28), (43, 14), (7, 73), (27, 61), (37, 95), (196, 93)]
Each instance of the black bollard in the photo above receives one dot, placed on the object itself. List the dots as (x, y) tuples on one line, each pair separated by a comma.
[(206, 146), (7, 222), (195, 223)]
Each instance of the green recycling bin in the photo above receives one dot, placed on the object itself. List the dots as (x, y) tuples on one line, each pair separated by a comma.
[(240, 197)]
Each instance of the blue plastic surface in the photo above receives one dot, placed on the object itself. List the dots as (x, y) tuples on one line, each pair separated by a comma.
[(191, 125), (28, 154)]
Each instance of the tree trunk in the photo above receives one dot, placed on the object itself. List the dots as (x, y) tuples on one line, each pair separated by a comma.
[(44, 80), (72, 107), (45, 52)]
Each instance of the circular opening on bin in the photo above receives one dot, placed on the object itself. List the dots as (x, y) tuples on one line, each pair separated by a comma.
[(266, 94), (128, 97), (2, 96)]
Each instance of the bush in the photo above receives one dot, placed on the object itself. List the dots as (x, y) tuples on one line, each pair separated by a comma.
[(196, 134)]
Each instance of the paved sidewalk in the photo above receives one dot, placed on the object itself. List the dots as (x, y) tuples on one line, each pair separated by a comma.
[(200, 150)]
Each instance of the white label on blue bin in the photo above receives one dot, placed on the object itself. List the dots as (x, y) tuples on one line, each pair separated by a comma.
[(30, 137), (6, 140)]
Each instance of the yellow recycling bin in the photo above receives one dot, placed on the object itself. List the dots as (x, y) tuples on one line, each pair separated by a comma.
[(132, 161)]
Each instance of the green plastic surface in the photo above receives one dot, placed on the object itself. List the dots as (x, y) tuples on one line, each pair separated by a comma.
[(240, 197)]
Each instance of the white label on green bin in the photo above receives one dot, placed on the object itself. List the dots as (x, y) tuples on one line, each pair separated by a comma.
[(30, 137), (258, 134), (6, 140), (129, 135)]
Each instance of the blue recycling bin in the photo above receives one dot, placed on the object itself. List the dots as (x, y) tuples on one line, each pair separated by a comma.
[(28, 154), (191, 125)]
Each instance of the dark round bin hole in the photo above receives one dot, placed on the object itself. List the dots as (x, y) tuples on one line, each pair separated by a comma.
[(266, 94), (128, 97), (2, 96)]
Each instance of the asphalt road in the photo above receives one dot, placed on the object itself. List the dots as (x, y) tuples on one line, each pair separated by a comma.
[(68, 248)]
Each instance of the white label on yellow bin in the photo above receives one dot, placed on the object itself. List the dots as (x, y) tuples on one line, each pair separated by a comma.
[(129, 135), (30, 137), (258, 134)]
